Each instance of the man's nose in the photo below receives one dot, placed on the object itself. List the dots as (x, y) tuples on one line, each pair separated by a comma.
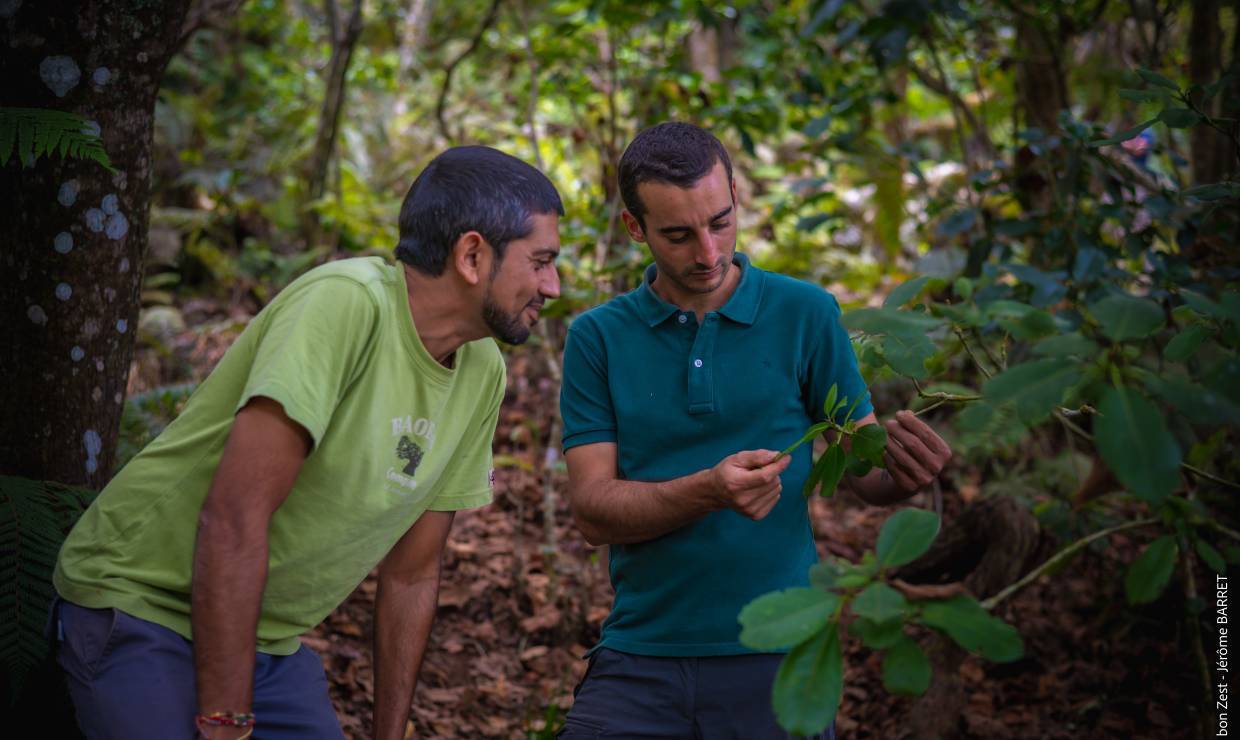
[(707, 252), (550, 287)]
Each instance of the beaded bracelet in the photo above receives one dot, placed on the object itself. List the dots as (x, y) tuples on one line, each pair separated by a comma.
[(224, 719)]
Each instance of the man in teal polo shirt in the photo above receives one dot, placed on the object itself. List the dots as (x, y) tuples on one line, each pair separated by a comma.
[(673, 394)]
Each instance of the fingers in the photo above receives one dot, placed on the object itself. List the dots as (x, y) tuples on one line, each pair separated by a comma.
[(902, 478), (757, 504), (924, 433), (909, 441), (752, 459)]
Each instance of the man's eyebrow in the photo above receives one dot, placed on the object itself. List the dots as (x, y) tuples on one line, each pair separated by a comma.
[(551, 252), (672, 229)]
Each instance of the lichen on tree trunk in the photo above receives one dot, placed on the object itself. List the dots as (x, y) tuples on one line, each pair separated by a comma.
[(75, 234)]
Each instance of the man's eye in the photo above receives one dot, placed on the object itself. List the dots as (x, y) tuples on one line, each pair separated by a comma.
[(678, 239), (720, 225)]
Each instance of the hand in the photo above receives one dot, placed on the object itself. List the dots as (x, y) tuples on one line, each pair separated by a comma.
[(748, 482), (915, 453)]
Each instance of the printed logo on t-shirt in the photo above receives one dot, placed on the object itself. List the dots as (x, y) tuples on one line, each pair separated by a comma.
[(407, 449)]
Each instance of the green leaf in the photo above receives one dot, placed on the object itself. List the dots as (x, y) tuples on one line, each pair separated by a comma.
[(1210, 557), (905, 536), (879, 603), (824, 574), (958, 222), (1072, 344), (1033, 325), (1133, 439), (1214, 191), (877, 635), (1199, 404), (1201, 304), (828, 406), (1154, 78), (973, 628), (869, 442), (784, 618), (1184, 345), (1123, 136), (808, 684), (830, 469), (887, 321), (906, 292), (907, 353), (8, 135), (810, 433), (1142, 96), (816, 127), (1179, 117), (906, 670), (1035, 388), (1124, 317), (1148, 575)]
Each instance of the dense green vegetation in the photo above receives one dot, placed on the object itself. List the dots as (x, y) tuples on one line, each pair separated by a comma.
[(1053, 186)]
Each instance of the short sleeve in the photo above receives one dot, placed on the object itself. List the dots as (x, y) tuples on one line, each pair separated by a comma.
[(585, 397), (311, 345), (833, 362), (469, 481)]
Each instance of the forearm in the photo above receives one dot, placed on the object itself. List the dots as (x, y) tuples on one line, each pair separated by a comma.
[(403, 616), (230, 572), (617, 512), (877, 488)]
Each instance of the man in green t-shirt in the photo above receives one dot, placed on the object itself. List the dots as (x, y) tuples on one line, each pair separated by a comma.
[(340, 432)]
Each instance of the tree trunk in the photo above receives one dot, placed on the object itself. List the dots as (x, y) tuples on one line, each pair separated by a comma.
[(343, 41), (76, 234), (1041, 85), (987, 547), (1205, 65)]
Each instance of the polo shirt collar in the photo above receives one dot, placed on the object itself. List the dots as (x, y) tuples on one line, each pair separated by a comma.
[(742, 307)]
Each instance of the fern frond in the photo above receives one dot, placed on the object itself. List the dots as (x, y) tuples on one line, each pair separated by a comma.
[(40, 132), (35, 517)]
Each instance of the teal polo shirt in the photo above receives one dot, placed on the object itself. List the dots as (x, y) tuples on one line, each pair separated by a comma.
[(676, 397)]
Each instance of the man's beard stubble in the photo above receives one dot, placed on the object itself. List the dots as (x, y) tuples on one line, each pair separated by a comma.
[(507, 328)]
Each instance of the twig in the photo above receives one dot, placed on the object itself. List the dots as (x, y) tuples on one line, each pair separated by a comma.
[(1190, 468), (1223, 530), (532, 60), (967, 348), (1194, 629), (447, 77), (1059, 558)]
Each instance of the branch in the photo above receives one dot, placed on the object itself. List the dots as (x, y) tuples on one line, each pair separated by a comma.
[(967, 348), (1188, 467), (1059, 558), (447, 78), (205, 13)]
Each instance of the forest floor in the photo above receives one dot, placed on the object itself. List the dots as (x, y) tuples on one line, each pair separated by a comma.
[(523, 597)]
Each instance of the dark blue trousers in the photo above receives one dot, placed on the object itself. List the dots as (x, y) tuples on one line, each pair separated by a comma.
[(711, 698), (133, 679)]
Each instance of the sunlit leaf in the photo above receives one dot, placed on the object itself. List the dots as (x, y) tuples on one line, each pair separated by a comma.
[(973, 628)]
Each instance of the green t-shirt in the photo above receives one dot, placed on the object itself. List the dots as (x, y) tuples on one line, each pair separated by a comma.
[(395, 434)]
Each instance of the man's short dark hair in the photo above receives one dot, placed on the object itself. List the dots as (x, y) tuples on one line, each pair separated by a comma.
[(676, 153), (470, 188)]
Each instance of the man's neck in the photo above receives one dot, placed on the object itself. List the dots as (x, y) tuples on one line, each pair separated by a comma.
[(439, 316), (699, 303)]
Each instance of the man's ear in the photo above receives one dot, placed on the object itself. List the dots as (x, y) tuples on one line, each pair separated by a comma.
[(734, 193), (633, 225), (472, 256)]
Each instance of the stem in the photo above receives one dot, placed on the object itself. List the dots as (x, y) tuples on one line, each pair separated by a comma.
[(1194, 630), (967, 348), (1223, 530), (1059, 558), (1190, 468)]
